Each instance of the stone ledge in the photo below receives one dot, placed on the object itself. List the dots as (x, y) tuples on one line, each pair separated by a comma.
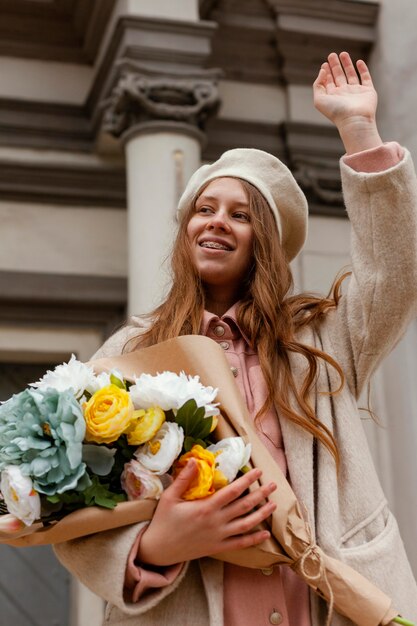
[(47, 300), (68, 184)]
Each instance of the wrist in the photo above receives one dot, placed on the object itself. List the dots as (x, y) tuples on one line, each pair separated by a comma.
[(358, 134)]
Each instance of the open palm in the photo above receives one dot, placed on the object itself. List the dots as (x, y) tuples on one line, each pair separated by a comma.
[(342, 93)]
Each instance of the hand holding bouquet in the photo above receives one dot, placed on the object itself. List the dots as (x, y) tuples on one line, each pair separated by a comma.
[(76, 439)]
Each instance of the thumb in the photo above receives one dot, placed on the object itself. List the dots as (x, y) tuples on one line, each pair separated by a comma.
[(184, 479)]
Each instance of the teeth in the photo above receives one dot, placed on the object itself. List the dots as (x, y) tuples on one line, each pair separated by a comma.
[(214, 244)]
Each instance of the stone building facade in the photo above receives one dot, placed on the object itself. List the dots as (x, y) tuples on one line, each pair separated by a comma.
[(106, 109)]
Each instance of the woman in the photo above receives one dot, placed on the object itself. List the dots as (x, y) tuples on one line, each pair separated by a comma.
[(243, 219)]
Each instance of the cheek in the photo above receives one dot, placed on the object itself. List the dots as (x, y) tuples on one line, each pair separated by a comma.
[(191, 229)]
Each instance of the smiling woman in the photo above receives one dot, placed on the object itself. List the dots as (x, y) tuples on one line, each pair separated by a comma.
[(300, 363)]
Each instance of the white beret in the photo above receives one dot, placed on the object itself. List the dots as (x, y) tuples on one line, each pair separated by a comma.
[(275, 182)]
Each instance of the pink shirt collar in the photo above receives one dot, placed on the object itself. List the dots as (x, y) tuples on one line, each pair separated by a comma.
[(229, 316)]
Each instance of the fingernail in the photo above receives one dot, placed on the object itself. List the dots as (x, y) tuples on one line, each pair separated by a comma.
[(266, 534)]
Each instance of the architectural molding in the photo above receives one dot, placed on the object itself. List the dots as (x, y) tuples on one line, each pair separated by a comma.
[(101, 185), (48, 300), (139, 99), (44, 125), (168, 47), (307, 31), (223, 134), (314, 152), (351, 11), (60, 30), (251, 22)]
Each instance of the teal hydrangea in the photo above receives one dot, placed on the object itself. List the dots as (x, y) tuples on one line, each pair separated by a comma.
[(42, 432)]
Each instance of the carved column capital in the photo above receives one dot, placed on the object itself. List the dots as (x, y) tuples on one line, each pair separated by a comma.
[(141, 101)]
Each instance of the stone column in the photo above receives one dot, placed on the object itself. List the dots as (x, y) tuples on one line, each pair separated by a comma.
[(160, 120)]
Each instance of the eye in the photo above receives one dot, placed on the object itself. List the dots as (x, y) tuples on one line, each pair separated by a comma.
[(242, 216), (204, 209)]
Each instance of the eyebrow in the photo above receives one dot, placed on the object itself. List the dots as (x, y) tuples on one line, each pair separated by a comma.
[(204, 197)]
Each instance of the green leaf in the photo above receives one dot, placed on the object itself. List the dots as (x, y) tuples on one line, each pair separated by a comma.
[(99, 494), (192, 420), (54, 499), (188, 443), (116, 381)]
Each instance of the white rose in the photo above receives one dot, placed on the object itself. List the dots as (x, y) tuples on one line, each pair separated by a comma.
[(170, 391), (21, 499), (72, 375), (233, 454), (158, 454)]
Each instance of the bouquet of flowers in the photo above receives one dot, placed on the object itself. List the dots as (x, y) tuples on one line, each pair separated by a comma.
[(52, 436), (76, 439)]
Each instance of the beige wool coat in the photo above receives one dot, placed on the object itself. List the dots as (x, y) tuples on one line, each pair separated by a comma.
[(349, 512)]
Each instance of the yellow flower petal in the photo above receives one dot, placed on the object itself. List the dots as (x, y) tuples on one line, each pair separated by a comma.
[(203, 484), (145, 426), (108, 414)]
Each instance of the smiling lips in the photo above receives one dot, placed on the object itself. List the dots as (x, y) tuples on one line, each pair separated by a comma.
[(216, 245)]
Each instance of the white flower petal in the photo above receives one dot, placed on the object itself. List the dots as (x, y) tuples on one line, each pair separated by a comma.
[(72, 375), (158, 454), (233, 455), (21, 499), (170, 391)]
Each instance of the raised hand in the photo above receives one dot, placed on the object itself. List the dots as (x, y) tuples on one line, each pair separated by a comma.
[(183, 530), (347, 97)]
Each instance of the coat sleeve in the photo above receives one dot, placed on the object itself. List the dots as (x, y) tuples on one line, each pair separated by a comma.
[(381, 296), (99, 561)]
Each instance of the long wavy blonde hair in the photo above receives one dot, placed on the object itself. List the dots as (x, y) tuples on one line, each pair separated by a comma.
[(268, 314)]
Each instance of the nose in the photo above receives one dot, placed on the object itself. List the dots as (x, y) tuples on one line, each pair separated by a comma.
[(219, 221)]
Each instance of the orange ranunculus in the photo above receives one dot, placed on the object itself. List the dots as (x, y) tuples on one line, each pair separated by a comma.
[(108, 414), (203, 484)]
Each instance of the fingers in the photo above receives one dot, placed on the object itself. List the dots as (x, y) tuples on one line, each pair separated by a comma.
[(336, 69), (349, 68), (324, 78), (364, 73), (343, 71), (246, 504), (183, 480), (233, 491), (244, 525), (245, 541)]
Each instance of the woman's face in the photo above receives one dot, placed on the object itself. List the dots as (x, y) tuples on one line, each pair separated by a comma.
[(221, 236)]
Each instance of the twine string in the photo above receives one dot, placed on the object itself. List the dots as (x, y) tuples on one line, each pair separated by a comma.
[(314, 579)]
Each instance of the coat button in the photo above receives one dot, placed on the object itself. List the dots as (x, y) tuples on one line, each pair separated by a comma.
[(235, 371), (219, 331), (275, 617), (267, 571), (224, 345)]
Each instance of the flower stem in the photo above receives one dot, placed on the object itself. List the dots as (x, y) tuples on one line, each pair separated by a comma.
[(404, 622)]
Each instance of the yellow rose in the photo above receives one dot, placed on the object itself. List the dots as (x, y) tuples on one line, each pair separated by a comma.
[(145, 425), (203, 484), (108, 414)]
